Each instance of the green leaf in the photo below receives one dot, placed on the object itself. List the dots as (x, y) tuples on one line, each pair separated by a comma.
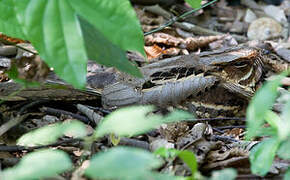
[(273, 119), (116, 20), (157, 176), (229, 174), (53, 29), (186, 156), (281, 125), (104, 52), (74, 128), (284, 125), (283, 151), (262, 156), (189, 159), (177, 115), (56, 34), (39, 164), (134, 120), (8, 21), (166, 153), (194, 3), (122, 163), (287, 175), (261, 103), (266, 131), (49, 134)]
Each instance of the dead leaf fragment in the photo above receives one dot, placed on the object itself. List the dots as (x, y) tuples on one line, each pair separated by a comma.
[(162, 38), (153, 51)]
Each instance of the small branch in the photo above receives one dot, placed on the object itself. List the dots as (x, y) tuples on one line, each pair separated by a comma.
[(94, 117), (30, 105), (231, 127), (224, 138), (11, 123), (24, 148), (23, 48), (175, 19), (106, 111), (58, 112), (134, 143), (203, 31), (216, 119)]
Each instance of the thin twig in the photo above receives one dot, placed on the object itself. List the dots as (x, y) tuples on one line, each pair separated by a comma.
[(106, 111), (94, 117), (218, 130), (224, 138), (12, 94), (134, 143), (231, 127), (175, 19), (216, 119), (58, 112), (24, 148), (23, 48), (11, 123), (30, 105)]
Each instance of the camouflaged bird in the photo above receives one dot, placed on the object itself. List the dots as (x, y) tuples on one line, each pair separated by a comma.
[(211, 84)]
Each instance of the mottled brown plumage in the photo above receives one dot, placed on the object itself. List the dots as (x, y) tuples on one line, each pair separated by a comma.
[(214, 83)]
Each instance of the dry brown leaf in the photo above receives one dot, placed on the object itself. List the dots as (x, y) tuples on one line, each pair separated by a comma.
[(171, 132), (3, 77), (162, 38), (172, 51), (153, 51), (9, 40), (195, 43), (191, 43), (235, 132)]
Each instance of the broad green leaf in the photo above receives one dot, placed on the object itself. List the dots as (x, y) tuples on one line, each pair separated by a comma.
[(186, 156), (287, 175), (284, 149), (228, 174), (121, 163), (103, 51), (177, 115), (39, 164), (194, 3), (189, 159), (49, 134), (273, 119), (8, 21), (134, 120), (116, 20), (157, 176), (284, 125), (53, 29), (266, 131), (261, 103), (166, 153), (262, 156), (74, 128)]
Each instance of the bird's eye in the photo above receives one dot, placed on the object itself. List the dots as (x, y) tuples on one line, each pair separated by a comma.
[(266, 51), (241, 64)]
